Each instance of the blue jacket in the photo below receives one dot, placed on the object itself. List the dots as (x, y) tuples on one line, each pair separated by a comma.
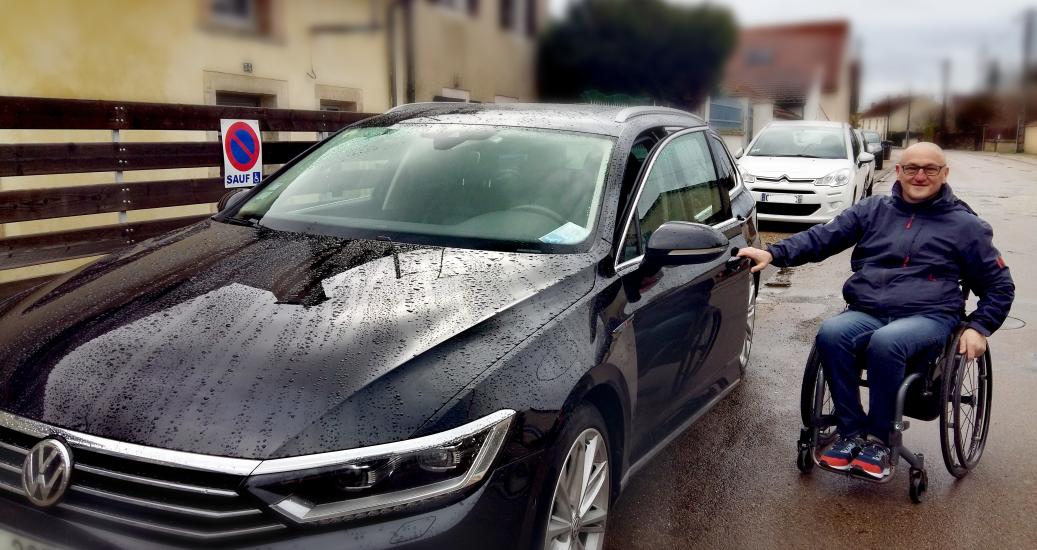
[(910, 258)]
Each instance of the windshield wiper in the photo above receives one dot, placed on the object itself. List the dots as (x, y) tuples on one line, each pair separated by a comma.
[(802, 156), (251, 222)]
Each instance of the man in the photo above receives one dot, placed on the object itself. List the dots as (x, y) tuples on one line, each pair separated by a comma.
[(911, 251)]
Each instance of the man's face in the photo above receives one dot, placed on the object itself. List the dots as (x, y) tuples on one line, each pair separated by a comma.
[(922, 171)]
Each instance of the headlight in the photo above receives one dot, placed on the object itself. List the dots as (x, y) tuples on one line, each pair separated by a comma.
[(838, 178), (365, 482), (746, 176)]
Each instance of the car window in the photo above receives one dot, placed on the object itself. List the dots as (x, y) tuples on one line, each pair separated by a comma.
[(805, 141), (725, 171), (682, 186), (443, 184), (855, 144)]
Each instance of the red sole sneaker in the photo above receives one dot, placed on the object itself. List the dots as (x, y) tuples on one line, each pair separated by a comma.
[(869, 469), (835, 462)]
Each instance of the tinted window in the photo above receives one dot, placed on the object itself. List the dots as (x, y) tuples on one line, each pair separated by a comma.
[(725, 171), (682, 186), (855, 143), (435, 184)]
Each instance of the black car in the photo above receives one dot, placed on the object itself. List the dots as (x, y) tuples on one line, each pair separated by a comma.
[(448, 326)]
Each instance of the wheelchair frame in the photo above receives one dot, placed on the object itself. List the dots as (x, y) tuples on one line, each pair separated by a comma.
[(945, 374)]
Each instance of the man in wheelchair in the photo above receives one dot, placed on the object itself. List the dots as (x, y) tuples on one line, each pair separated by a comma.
[(914, 250)]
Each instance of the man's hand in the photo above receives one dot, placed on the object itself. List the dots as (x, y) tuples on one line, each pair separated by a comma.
[(762, 258), (972, 344)]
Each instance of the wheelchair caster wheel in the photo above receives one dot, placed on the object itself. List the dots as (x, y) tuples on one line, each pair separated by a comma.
[(919, 483), (804, 461)]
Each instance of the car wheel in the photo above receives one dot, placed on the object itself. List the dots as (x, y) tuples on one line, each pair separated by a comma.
[(578, 500), (750, 321)]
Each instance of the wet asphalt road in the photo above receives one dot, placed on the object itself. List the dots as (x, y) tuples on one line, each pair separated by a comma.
[(731, 481)]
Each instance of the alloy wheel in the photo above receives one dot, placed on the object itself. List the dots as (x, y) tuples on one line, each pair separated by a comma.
[(581, 497), (743, 358)]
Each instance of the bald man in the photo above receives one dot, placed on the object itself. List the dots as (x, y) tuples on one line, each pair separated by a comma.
[(911, 251)]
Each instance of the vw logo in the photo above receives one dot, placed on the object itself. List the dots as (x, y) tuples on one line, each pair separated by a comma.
[(46, 472)]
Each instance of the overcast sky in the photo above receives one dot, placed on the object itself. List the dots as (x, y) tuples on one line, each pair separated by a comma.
[(901, 42)]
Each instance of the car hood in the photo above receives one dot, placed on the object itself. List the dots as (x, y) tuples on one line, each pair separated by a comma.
[(791, 167), (245, 342)]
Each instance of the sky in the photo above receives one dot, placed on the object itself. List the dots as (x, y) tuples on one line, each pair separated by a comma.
[(902, 42)]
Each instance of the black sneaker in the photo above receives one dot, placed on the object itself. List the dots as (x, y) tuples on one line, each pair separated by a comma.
[(873, 460), (841, 453)]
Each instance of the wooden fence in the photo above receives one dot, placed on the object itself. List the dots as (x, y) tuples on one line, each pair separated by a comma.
[(48, 202)]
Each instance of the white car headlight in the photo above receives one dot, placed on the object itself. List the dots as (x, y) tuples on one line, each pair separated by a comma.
[(746, 176), (838, 178), (365, 482)]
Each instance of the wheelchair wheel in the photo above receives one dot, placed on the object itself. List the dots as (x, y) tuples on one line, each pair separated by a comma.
[(919, 483), (817, 410), (965, 411)]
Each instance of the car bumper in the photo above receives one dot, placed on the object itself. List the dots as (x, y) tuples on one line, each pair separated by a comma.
[(498, 515), (801, 203)]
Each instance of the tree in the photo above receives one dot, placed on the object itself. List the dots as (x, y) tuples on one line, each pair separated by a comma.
[(644, 48)]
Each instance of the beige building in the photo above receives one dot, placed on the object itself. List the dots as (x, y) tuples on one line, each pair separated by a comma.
[(889, 117), (799, 71), (355, 55)]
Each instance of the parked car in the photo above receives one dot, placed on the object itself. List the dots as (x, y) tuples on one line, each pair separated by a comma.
[(806, 171), (448, 326), (873, 144)]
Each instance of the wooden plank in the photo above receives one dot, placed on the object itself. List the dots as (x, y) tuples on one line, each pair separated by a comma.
[(35, 113), (43, 248), (58, 202), (10, 289), (73, 158)]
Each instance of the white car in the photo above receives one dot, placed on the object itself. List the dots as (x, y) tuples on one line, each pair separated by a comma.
[(806, 171)]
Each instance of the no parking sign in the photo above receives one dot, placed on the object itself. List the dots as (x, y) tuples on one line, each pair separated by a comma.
[(242, 153)]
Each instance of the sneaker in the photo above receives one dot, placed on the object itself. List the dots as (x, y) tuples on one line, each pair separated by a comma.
[(841, 453), (873, 460)]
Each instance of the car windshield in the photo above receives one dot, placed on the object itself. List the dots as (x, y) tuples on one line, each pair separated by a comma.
[(800, 141), (872, 137), (443, 184)]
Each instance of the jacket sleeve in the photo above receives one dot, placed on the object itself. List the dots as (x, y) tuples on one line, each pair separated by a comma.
[(823, 240), (986, 274)]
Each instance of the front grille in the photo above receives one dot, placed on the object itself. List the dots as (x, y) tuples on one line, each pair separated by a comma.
[(781, 209), (783, 190), (134, 495), (789, 180)]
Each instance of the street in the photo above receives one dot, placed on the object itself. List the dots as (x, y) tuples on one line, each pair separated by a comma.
[(731, 480)]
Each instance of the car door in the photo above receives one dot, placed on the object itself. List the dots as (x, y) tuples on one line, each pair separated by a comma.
[(673, 311), (860, 169)]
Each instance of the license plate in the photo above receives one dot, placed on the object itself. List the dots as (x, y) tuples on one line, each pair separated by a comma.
[(781, 197), (13, 541)]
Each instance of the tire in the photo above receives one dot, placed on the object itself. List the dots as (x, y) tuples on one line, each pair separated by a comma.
[(583, 429), (965, 398), (918, 484), (750, 324), (807, 398)]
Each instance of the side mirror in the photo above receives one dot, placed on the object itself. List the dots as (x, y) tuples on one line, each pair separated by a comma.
[(230, 199), (680, 243), (865, 158), (739, 152)]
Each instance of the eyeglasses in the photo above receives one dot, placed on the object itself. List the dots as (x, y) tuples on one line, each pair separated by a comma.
[(930, 170)]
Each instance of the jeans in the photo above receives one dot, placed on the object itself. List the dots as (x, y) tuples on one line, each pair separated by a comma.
[(889, 343)]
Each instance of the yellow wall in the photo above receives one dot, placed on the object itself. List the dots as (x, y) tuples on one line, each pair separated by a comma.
[(1031, 139), (474, 54)]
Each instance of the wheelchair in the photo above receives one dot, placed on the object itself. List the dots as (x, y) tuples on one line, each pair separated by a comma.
[(941, 384)]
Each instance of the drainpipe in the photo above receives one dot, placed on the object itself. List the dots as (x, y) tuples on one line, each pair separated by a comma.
[(406, 8)]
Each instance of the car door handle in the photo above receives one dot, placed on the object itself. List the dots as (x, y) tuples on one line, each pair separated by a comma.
[(735, 262)]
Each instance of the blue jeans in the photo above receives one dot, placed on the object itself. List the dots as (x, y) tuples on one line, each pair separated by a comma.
[(889, 343)]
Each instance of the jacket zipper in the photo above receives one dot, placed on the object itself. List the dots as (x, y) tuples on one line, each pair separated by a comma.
[(910, 246)]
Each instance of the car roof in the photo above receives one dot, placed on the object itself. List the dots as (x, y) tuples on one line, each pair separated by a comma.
[(595, 119)]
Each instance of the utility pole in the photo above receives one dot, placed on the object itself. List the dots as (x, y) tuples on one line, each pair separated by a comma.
[(1024, 79), (889, 110), (946, 69), (907, 133)]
